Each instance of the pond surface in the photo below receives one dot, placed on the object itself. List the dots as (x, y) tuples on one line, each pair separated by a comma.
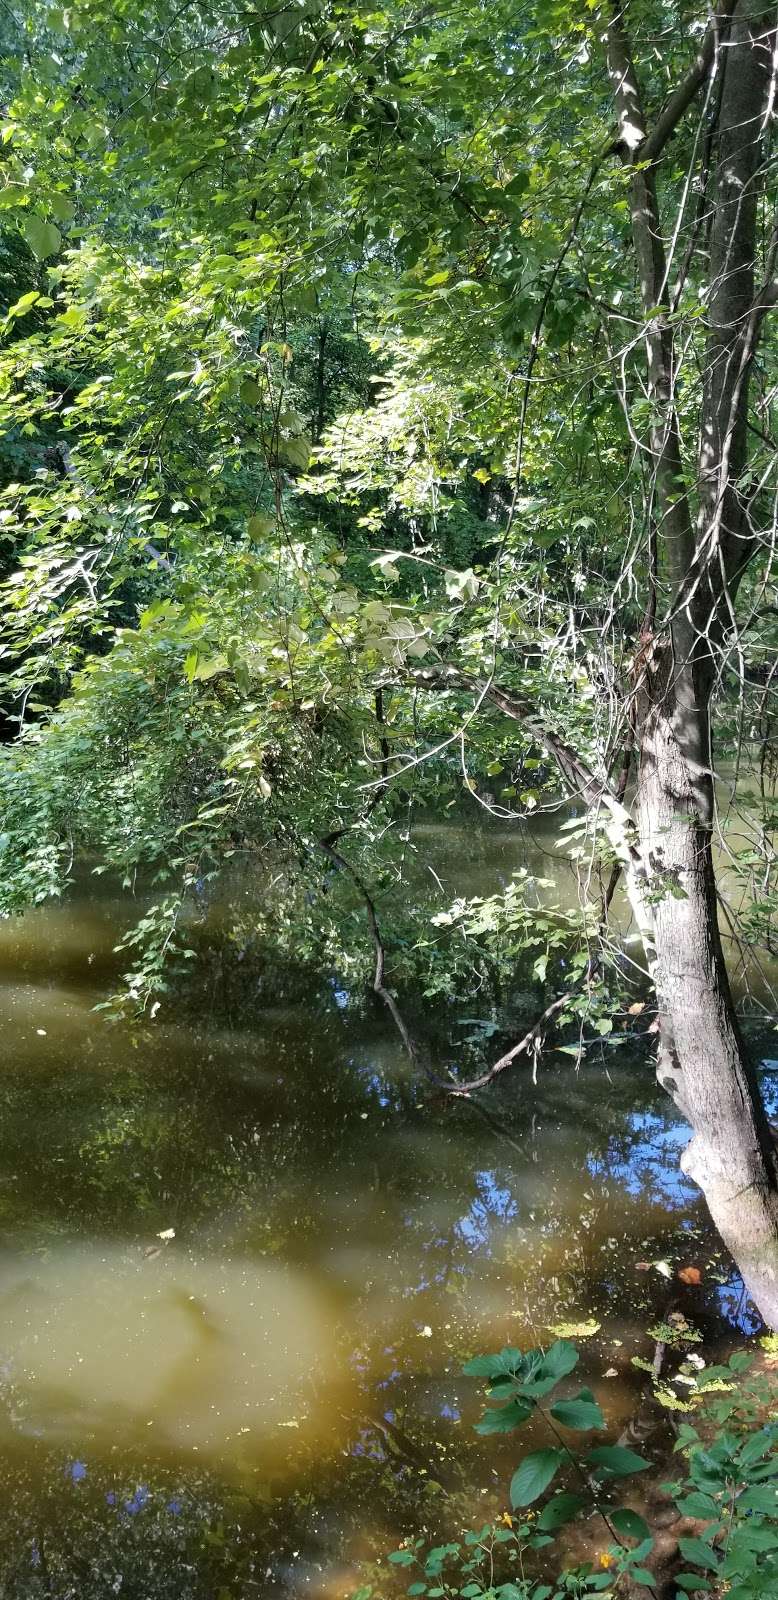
[(243, 1257)]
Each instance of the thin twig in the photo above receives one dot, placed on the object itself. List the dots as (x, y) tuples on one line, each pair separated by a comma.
[(327, 844)]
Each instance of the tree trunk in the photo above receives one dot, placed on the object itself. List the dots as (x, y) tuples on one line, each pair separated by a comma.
[(702, 1061)]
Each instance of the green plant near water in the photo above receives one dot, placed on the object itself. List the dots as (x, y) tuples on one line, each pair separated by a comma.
[(730, 1486)]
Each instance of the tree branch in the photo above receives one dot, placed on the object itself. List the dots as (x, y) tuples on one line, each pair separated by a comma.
[(598, 793), (736, 311), (665, 442), (327, 844), (578, 776), (463, 1090), (682, 97)]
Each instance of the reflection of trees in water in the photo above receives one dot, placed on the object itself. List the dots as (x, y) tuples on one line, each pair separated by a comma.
[(294, 1145), (74, 1527), (296, 1141)]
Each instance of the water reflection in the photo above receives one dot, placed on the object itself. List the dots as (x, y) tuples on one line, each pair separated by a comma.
[(645, 1160), (240, 1407)]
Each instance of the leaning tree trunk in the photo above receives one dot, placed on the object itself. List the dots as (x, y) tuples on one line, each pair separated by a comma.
[(700, 557), (702, 1062)]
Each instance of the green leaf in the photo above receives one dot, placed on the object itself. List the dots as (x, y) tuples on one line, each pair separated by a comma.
[(505, 1418), (750, 1537), (699, 1553), (560, 1510), (260, 526), (686, 1435), (461, 585), (642, 1575), (702, 1505), (480, 1366), (402, 1558), (534, 1475), (629, 1523), (506, 1364), (43, 238), (250, 392), (557, 1362), (756, 1447), (616, 1461), (209, 669), (579, 1414), (690, 1581), (295, 452), (61, 207), (761, 1497), (20, 307)]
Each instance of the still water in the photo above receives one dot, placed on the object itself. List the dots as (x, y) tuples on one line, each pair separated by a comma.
[(243, 1257)]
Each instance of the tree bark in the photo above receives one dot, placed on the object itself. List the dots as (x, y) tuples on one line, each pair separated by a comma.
[(702, 1061)]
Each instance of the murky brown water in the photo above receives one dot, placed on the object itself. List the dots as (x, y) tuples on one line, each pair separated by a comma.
[(252, 1403)]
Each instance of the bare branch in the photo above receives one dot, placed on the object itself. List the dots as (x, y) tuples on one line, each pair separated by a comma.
[(463, 1090)]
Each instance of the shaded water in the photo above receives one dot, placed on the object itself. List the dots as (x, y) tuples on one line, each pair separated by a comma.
[(242, 1260)]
